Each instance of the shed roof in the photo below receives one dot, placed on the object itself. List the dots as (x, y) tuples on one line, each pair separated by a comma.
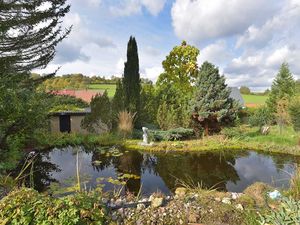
[(77, 113)]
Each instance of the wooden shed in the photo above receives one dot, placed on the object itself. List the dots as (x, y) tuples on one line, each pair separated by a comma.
[(68, 121)]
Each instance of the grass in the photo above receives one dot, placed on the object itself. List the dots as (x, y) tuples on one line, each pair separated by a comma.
[(249, 139), (254, 100), (110, 88)]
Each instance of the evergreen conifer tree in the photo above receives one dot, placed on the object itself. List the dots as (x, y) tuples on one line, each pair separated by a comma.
[(131, 79), (118, 104), (283, 86), (211, 104), (29, 33)]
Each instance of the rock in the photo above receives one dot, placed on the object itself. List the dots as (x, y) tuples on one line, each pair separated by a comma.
[(193, 218), (119, 202), (157, 202), (140, 206), (226, 200), (218, 199), (239, 206), (235, 195), (180, 192)]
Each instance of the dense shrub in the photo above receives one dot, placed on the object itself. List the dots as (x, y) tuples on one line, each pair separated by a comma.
[(27, 206), (233, 132), (262, 116), (294, 110), (172, 135)]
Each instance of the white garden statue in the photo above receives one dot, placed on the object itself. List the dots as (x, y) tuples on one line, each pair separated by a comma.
[(146, 138), (145, 135)]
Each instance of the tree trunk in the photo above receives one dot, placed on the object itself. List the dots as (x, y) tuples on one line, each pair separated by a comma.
[(206, 128)]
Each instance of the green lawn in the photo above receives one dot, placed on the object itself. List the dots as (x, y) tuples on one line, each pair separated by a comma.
[(111, 88), (254, 100)]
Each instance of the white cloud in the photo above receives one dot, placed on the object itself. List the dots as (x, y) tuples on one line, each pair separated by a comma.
[(216, 53), (154, 6), (94, 3), (152, 73), (132, 7), (201, 20)]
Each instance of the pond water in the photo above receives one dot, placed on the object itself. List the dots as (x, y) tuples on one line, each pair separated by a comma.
[(150, 172)]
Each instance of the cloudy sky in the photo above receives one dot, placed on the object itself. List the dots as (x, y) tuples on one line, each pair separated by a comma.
[(247, 39)]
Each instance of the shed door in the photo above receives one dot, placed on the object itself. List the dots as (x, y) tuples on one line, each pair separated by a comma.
[(65, 123)]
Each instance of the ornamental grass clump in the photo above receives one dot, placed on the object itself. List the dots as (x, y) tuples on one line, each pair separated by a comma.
[(126, 120)]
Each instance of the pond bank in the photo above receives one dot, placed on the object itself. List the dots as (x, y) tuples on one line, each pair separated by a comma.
[(213, 143)]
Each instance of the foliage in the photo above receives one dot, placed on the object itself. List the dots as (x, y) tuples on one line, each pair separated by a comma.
[(126, 120), (295, 183), (177, 134), (66, 102), (71, 81), (283, 87), (298, 87), (99, 120), (118, 100), (294, 110), (245, 90), (30, 33), (233, 132), (173, 110), (288, 213), (149, 105), (131, 80), (174, 86), (22, 111), (282, 115), (180, 68), (26, 206), (211, 104), (261, 117), (45, 140)]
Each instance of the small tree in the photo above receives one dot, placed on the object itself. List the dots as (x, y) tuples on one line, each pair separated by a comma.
[(245, 90), (283, 87), (211, 104), (294, 110), (100, 118), (282, 115)]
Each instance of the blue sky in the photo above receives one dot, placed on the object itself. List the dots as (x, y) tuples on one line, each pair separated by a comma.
[(246, 39)]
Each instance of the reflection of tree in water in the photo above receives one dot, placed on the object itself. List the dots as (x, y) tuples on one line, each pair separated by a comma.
[(130, 163), (280, 160), (42, 169), (210, 170), (106, 161)]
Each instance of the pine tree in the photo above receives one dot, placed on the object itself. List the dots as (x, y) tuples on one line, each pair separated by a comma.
[(29, 33), (211, 104), (131, 79), (118, 104), (283, 87)]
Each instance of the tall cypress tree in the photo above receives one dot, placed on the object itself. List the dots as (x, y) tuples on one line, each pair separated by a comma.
[(211, 104), (131, 79)]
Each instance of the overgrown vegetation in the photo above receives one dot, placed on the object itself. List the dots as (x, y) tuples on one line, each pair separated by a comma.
[(26, 206)]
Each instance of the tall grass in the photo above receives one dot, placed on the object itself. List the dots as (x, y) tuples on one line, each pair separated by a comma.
[(295, 183), (125, 125)]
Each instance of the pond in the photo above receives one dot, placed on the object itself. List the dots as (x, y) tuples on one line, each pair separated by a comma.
[(150, 172)]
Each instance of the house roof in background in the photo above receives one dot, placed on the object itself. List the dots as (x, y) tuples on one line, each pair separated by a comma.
[(236, 95), (85, 95)]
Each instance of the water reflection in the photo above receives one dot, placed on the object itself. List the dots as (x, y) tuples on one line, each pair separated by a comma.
[(158, 172)]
